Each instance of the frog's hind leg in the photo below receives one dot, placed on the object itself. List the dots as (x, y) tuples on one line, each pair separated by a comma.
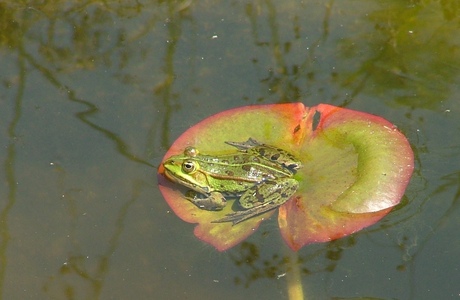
[(262, 198)]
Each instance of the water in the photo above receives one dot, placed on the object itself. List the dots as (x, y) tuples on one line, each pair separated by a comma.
[(92, 94)]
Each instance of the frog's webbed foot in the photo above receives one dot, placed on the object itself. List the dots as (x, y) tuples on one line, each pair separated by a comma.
[(243, 146), (240, 216)]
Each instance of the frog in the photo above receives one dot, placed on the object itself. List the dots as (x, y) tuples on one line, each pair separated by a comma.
[(259, 176)]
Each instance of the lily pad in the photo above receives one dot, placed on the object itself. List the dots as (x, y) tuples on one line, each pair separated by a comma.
[(356, 167)]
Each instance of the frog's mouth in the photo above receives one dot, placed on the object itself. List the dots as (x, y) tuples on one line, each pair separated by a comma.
[(184, 181)]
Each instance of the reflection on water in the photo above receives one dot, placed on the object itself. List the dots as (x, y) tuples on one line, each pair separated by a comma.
[(93, 93), (255, 267), (402, 53)]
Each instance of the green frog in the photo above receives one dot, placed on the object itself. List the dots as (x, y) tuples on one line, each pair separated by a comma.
[(259, 175)]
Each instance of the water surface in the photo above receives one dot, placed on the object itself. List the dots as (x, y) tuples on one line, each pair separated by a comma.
[(92, 94)]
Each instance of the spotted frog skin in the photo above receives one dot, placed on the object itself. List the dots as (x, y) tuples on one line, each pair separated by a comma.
[(259, 175)]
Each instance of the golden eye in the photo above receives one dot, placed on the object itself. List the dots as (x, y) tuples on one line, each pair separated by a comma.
[(188, 166)]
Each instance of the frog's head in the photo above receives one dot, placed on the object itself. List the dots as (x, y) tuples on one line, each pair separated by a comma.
[(185, 170)]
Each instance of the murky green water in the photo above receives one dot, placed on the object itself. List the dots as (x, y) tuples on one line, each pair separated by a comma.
[(93, 93)]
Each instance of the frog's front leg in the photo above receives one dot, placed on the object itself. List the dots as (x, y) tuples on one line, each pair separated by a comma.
[(262, 198), (213, 201)]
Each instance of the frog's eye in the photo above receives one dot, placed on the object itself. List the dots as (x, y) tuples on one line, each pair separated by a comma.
[(188, 166)]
